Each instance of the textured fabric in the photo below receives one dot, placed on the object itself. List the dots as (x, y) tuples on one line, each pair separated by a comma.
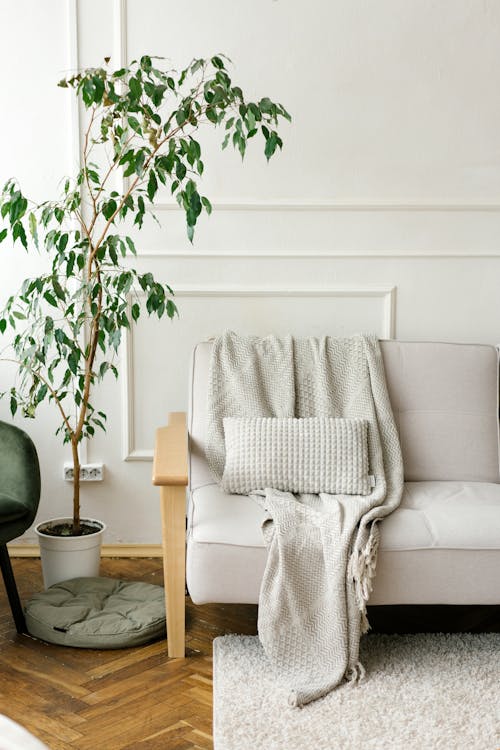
[(431, 515), (15, 737), (312, 454), (321, 548), (422, 692), (97, 613), (440, 546), (19, 482), (444, 399), (445, 402)]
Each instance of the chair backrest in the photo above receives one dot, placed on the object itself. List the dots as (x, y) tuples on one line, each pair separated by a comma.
[(19, 482), (445, 403)]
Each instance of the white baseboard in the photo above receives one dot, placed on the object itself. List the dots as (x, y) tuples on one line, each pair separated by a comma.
[(108, 550)]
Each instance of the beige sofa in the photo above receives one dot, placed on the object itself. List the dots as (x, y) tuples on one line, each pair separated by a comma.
[(441, 546)]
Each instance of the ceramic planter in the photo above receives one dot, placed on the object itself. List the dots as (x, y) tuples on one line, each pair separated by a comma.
[(66, 557)]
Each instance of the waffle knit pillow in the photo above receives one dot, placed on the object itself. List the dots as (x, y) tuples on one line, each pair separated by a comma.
[(311, 454)]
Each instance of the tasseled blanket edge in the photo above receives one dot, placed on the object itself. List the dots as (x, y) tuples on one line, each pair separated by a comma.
[(362, 569)]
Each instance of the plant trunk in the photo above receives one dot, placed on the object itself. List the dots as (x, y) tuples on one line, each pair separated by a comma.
[(76, 487)]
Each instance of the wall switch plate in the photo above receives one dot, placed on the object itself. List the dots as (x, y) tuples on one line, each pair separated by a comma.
[(88, 472)]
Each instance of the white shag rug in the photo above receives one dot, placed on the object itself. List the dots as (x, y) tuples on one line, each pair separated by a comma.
[(420, 692)]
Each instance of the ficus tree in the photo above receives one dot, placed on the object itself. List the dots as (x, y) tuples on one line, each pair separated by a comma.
[(143, 127)]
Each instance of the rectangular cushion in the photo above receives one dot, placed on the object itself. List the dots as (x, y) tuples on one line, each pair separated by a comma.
[(445, 402), (308, 454)]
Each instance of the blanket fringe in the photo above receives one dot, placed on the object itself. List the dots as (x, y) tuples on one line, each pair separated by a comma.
[(363, 566), (355, 674)]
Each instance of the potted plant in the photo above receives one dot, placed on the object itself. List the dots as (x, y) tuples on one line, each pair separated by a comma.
[(143, 122)]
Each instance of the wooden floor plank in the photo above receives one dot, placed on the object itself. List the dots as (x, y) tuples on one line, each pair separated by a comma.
[(130, 699)]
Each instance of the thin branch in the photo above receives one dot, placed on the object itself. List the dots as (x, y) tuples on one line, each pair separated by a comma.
[(53, 393), (85, 155)]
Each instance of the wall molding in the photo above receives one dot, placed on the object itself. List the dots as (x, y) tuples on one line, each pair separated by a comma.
[(73, 66), (108, 550), (321, 255), (75, 123), (120, 33), (300, 205), (335, 206), (130, 451)]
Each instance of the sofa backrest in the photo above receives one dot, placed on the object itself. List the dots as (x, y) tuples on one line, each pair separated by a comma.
[(445, 403)]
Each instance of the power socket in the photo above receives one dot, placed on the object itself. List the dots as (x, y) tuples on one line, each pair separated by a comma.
[(88, 472)]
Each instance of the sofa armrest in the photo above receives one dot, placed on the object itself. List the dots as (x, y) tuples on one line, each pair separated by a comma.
[(170, 463)]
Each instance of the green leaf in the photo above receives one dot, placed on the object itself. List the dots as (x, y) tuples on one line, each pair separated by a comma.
[(63, 241), (271, 144), (3, 325), (33, 228), (139, 162), (19, 233), (158, 94), (18, 206), (180, 117), (98, 88), (211, 115), (131, 245), (88, 92), (50, 299), (136, 311), (41, 393), (171, 308), (94, 177), (13, 404), (207, 204), (59, 291), (217, 62), (180, 170), (134, 124), (109, 208), (73, 362), (135, 88), (152, 185), (266, 105), (3, 235)]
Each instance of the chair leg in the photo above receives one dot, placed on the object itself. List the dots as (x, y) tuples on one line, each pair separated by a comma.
[(12, 593)]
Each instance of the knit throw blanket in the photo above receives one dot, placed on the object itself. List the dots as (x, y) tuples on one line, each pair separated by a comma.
[(321, 548)]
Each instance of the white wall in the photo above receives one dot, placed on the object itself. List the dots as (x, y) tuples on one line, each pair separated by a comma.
[(385, 198)]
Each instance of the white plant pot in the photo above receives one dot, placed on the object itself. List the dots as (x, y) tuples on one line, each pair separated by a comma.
[(66, 557)]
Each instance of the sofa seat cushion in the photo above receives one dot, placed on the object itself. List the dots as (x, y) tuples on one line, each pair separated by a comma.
[(445, 515), (442, 545), (450, 515)]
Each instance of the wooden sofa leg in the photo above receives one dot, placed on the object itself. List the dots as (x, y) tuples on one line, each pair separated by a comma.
[(173, 512)]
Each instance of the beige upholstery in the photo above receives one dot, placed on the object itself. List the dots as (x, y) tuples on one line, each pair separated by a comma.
[(441, 546)]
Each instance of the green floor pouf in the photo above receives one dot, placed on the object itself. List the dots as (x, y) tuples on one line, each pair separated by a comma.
[(97, 613)]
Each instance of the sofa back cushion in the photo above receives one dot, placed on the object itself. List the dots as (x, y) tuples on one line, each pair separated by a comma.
[(445, 403)]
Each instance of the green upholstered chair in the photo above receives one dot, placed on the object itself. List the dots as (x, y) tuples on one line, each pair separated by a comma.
[(19, 497)]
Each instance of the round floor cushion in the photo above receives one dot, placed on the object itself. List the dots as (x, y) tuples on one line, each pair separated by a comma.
[(97, 613)]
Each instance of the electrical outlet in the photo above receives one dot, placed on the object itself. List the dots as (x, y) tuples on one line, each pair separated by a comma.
[(88, 472)]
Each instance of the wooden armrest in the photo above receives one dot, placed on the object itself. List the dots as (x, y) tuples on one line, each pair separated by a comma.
[(170, 463)]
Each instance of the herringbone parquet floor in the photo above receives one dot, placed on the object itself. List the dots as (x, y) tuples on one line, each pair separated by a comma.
[(139, 699), (129, 699)]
